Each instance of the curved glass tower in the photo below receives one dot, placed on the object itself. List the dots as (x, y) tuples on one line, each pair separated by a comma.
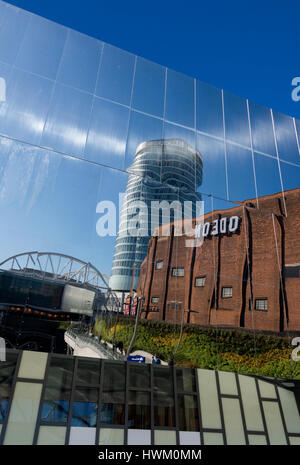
[(163, 170)]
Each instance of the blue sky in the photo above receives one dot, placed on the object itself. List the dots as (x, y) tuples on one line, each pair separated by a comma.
[(249, 47)]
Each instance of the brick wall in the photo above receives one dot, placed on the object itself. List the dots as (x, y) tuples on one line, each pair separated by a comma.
[(250, 260)]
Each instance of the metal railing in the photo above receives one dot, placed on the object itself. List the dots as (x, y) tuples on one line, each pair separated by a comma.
[(82, 338)]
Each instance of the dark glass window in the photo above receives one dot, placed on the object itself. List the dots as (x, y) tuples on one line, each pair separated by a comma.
[(139, 410), (164, 411), (58, 390), (7, 371), (188, 413), (85, 405), (18, 289), (163, 397), (88, 372), (113, 394), (114, 378), (139, 376), (112, 413), (186, 381), (292, 271), (174, 306)]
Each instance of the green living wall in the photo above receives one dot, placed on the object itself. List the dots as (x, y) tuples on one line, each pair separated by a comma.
[(220, 349)]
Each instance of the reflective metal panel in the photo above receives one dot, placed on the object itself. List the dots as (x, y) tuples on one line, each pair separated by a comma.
[(49, 201), (5, 70), (297, 124), (262, 129), (23, 114), (286, 138), (107, 135), (214, 166), (67, 123), (142, 128), (149, 87), (209, 109), (116, 75), (241, 184), (290, 175), (42, 47), (180, 98), (77, 300), (13, 22), (103, 242), (80, 61), (73, 205), (267, 175), (236, 119)]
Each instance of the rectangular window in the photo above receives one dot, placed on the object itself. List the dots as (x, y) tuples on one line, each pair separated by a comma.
[(154, 300), (113, 394), (85, 407), (186, 381), (159, 264), (261, 304), (163, 397), (58, 390), (172, 306), (139, 410), (188, 413), (292, 271), (139, 376), (200, 282), (177, 271), (226, 292), (88, 372)]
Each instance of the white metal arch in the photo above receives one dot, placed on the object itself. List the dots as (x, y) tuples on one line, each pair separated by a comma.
[(56, 266)]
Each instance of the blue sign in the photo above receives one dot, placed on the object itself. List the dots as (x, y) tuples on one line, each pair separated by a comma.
[(136, 358)]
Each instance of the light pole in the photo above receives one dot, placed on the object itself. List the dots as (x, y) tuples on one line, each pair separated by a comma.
[(140, 299)]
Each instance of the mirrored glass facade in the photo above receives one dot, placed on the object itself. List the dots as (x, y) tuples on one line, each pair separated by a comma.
[(90, 136)]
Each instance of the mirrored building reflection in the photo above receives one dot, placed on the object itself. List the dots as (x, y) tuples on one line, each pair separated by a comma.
[(83, 122), (165, 174)]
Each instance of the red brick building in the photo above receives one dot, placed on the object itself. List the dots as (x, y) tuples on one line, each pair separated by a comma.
[(246, 273)]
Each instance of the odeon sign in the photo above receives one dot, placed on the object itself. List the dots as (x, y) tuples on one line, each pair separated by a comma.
[(223, 225)]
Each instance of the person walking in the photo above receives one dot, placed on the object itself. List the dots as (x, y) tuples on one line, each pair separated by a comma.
[(157, 360)]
